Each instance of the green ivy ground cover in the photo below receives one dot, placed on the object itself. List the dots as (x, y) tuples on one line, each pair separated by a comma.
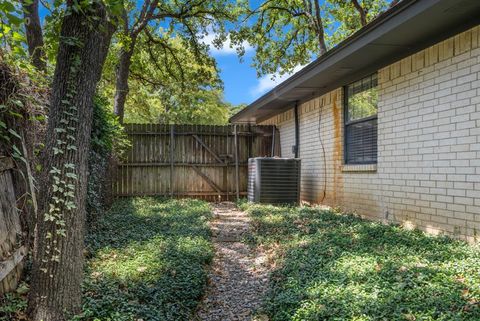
[(331, 266), (147, 260)]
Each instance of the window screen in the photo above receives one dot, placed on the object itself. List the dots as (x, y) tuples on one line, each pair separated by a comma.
[(361, 100)]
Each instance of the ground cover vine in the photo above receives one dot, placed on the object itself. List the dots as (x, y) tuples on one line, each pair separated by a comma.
[(330, 266), (147, 260)]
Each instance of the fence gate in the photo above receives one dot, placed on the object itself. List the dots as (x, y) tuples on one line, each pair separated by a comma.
[(208, 162)]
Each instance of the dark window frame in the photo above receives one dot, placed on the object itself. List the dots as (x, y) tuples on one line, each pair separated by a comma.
[(347, 123)]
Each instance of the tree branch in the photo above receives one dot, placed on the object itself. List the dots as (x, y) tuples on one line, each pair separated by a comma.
[(361, 11), (145, 18), (33, 31), (169, 49), (320, 29)]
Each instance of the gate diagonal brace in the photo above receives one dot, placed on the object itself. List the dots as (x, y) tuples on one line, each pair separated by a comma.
[(207, 179), (199, 140)]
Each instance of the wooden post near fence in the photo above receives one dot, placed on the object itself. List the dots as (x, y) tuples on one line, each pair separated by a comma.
[(172, 157), (237, 173)]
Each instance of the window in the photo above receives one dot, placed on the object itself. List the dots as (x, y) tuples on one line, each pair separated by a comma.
[(361, 99)]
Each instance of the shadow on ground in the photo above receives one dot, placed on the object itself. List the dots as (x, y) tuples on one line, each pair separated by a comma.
[(340, 267), (147, 259)]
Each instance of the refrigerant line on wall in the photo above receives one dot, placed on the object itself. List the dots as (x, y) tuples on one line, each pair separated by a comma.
[(297, 131), (320, 111)]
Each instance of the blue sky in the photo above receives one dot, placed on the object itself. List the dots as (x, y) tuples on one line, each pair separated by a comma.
[(239, 77)]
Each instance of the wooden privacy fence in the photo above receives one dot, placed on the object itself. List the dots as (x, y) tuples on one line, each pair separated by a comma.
[(12, 251), (208, 162)]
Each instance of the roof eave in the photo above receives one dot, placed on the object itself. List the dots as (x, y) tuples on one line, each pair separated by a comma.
[(380, 27)]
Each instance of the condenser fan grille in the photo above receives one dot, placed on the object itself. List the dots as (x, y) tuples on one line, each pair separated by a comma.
[(274, 180)]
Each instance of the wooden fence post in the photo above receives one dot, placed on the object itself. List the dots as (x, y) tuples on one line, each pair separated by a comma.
[(227, 169), (172, 156), (273, 141), (237, 174)]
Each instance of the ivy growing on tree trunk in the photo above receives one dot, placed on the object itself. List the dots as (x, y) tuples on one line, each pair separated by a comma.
[(57, 269)]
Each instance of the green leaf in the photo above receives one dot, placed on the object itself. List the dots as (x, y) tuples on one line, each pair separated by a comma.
[(7, 6), (16, 150), (14, 133), (54, 170), (71, 175), (13, 19), (18, 37), (69, 165), (70, 205), (15, 114)]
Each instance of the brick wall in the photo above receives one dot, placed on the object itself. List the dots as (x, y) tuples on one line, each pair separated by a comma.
[(428, 171)]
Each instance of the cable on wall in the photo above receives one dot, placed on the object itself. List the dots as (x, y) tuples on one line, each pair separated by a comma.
[(297, 131), (320, 111)]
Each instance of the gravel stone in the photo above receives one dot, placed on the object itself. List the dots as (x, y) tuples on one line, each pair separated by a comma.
[(238, 277)]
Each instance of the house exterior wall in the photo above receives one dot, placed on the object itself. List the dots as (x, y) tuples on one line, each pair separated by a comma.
[(428, 169)]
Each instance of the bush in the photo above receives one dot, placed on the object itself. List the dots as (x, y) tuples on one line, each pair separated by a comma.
[(108, 141)]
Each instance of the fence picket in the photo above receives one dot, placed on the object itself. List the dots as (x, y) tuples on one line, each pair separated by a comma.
[(170, 160)]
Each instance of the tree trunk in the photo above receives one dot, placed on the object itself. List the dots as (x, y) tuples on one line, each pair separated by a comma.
[(121, 80), (57, 270), (33, 31)]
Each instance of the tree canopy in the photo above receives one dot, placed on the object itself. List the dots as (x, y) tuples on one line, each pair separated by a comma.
[(290, 33), (158, 64), (167, 83), (159, 22)]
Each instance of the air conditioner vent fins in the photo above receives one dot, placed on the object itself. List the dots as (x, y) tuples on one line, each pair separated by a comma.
[(274, 180)]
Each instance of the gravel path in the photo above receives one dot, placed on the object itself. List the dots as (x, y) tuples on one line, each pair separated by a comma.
[(238, 277)]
